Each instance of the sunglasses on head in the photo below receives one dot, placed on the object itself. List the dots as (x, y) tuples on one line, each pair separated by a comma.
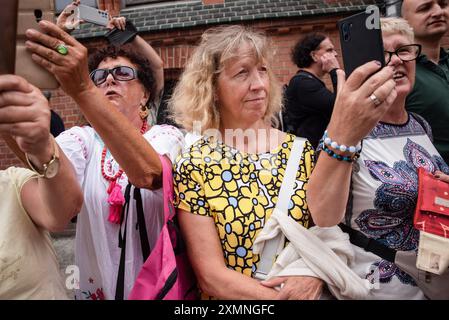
[(121, 73)]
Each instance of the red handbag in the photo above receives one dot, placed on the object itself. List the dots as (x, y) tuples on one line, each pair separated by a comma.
[(432, 207)]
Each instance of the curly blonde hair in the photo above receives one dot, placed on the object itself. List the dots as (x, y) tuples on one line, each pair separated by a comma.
[(193, 96)]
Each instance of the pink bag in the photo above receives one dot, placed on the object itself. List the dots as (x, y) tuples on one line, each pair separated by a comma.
[(166, 274)]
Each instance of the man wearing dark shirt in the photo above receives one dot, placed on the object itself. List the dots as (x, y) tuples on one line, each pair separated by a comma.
[(430, 96)]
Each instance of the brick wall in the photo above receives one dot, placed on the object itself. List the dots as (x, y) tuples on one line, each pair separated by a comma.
[(175, 46)]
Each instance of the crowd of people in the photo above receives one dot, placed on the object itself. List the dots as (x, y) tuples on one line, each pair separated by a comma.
[(356, 153)]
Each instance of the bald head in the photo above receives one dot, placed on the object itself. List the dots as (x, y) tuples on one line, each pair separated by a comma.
[(428, 18), (406, 7)]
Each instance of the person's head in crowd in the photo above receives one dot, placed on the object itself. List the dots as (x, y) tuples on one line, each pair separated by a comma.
[(400, 53), (47, 94), (428, 18), (312, 51), (124, 77), (228, 79), (228, 87)]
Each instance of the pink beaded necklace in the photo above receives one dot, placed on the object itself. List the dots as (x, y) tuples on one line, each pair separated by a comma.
[(116, 198)]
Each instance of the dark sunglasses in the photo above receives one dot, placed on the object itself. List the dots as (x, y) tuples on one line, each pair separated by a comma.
[(409, 52), (121, 73)]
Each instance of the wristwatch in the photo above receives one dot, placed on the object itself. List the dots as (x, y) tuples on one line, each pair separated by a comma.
[(51, 168)]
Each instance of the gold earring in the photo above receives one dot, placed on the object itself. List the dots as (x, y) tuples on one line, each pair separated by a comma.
[(143, 112)]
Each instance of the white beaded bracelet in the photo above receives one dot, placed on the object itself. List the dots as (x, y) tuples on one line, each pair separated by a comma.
[(334, 145)]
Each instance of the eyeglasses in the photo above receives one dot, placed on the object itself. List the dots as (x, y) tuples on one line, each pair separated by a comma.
[(121, 73), (406, 53)]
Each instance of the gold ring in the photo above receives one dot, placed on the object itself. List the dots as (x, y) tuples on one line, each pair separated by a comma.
[(375, 100), (62, 49)]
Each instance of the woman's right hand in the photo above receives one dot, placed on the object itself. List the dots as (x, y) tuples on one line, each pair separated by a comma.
[(329, 62), (355, 113), (68, 19)]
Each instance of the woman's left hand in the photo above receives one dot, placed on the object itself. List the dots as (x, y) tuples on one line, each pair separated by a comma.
[(296, 288), (70, 69), (116, 22)]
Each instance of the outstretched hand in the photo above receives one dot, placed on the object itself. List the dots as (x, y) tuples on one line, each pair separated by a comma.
[(355, 113), (70, 69)]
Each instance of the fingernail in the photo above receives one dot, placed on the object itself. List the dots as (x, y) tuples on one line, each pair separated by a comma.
[(437, 176), (30, 32), (378, 63)]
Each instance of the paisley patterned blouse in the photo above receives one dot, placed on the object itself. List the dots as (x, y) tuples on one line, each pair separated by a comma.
[(384, 193)]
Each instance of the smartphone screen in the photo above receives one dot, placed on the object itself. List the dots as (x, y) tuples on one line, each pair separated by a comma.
[(360, 43), (8, 24), (29, 14)]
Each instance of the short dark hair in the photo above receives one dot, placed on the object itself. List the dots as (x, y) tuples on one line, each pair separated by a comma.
[(302, 49), (144, 72)]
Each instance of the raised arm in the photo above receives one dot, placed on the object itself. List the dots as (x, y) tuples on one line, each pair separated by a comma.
[(156, 63), (353, 118), (68, 21), (25, 114), (145, 50), (134, 154)]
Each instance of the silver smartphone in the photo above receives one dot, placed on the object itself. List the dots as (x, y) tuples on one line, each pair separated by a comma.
[(93, 15)]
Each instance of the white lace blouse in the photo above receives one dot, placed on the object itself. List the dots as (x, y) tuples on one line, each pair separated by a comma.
[(97, 254)]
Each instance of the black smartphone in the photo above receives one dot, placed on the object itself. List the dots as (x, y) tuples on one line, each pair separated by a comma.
[(360, 41)]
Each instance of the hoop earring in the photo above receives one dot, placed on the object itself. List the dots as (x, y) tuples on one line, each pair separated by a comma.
[(143, 112)]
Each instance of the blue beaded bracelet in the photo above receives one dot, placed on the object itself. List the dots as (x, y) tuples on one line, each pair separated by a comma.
[(334, 145), (339, 157)]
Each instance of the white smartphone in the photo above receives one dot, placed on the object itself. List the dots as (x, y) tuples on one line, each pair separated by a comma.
[(93, 15)]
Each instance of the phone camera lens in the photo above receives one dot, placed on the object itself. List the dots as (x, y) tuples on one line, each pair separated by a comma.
[(346, 31), (38, 15)]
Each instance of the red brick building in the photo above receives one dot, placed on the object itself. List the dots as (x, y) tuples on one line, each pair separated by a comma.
[(173, 28)]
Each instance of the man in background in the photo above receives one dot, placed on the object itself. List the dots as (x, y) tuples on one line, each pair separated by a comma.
[(430, 96)]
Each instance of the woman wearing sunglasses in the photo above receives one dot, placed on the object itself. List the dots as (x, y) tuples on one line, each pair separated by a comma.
[(121, 146), (381, 179)]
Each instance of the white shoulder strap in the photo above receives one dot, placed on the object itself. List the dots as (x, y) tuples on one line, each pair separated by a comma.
[(270, 247)]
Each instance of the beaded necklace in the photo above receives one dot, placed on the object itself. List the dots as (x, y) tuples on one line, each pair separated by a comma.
[(116, 198)]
